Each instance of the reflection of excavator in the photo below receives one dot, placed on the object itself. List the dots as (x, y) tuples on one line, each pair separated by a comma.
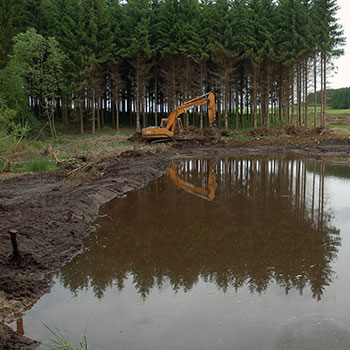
[(206, 193), (173, 124)]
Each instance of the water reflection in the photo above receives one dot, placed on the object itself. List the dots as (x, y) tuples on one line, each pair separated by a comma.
[(206, 183), (268, 223)]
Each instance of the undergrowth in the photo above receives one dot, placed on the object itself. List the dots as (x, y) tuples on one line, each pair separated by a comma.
[(31, 155)]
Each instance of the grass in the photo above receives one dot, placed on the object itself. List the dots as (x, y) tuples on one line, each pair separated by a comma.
[(342, 129), (60, 342), (337, 111), (30, 155), (31, 166), (36, 165), (242, 136)]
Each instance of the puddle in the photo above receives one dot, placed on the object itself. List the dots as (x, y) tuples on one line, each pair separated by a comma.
[(233, 253)]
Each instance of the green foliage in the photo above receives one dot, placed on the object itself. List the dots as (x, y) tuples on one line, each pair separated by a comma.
[(60, 342), (32, 166), (19, 130), (105, 50), (136, 24), (336, 98), (6, 30), (329, 36), (7, 116), (37, 165), (39, 62), (340, 98), (28, 13)]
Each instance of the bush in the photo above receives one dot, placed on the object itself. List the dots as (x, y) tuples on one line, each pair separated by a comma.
[(7, 116), (36, 165)]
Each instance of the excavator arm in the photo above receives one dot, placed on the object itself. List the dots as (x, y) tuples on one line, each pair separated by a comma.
[(168, 125)]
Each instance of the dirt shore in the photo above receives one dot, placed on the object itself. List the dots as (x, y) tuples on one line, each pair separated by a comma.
[(54, 210)]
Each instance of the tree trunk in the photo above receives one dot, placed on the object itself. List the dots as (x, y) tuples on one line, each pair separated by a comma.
[(117, 113), (299, 92), (237, 103), (254, 99), (321, 93), (201, 79), (81, 118), (293, 97), (306, 123), (98, 115), (155, 97), (103, 104), (226, 103), (280, 98), (93, 112), (113, 111), (219, 107), (138, 92), (242, 103), (268, 96), (64, 111), (315, 91), (324, 92)]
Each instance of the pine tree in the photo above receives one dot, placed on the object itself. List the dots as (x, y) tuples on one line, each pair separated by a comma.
[(190, 48), (29, 14), (221, 47), (243, 43), (114, 68), (7, 30), (290, 44), (136, 47), (168, 45), (63, 21), (96, 47), (251, 52), (330, 40), (265, 24)]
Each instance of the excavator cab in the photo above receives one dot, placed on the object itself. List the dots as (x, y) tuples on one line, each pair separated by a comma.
[(178, 126)]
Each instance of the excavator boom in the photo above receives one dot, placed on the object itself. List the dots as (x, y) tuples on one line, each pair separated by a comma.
[(169, 125)]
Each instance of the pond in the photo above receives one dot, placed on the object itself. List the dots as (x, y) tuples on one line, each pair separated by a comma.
[(220, 253)]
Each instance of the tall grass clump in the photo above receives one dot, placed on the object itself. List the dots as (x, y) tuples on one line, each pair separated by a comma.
[(59, 341), (36, 165)]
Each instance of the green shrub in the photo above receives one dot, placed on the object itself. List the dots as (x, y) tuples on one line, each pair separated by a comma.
[(6, 116), (36, 165)]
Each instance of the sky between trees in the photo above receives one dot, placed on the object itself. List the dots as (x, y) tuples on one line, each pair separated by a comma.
[(341, 78)]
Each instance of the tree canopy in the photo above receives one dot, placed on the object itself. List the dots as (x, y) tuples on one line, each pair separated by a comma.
[(142, 57)]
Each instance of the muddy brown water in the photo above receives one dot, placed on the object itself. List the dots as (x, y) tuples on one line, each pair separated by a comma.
[(225, 253)]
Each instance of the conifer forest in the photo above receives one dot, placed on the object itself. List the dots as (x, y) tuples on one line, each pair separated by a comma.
[(92, 63)]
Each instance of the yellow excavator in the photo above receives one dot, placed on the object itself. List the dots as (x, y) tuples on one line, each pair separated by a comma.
[(205, 193), (173, 124)]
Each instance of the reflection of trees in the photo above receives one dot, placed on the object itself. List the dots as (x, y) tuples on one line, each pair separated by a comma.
[(267, 223)]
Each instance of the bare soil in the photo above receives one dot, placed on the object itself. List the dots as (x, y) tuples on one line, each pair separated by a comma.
[(52, 212)]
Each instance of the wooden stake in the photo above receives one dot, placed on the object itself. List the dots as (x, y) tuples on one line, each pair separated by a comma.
[(14, 242)]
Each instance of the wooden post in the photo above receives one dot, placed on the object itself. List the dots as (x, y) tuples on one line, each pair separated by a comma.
[(14, 242)]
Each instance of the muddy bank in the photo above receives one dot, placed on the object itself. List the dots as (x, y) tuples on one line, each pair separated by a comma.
[(52, 212)]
